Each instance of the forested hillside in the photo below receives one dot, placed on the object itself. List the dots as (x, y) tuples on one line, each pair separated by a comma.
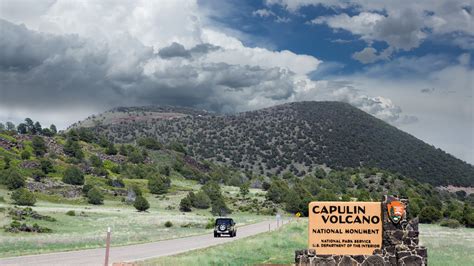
[(82, 167), (294, 137)]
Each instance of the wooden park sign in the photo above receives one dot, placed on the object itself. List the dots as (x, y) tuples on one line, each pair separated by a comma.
[(345, 228), (362, 233)]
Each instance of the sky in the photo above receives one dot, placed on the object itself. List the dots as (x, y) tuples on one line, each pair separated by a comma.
[(408, 63)]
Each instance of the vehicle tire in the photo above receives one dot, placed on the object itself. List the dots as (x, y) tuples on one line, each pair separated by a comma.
[(215, 234)]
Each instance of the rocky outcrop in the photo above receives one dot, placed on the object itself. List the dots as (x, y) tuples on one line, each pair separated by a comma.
[(9, 145), (52, 187)]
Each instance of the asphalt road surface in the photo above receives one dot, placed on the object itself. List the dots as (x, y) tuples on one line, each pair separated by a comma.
[(136, 252)]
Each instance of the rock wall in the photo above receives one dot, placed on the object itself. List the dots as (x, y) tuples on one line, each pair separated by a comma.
[(400, 245)]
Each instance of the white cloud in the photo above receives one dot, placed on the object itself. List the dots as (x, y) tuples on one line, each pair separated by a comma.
[(263, 13), (266, 13), (400, 32), (369, 55), (403, 25), (362, 24)]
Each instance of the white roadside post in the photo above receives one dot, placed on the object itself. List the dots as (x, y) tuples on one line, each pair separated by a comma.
[(107, 247)]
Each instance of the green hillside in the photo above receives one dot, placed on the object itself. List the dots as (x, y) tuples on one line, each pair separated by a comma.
[(294, 137)]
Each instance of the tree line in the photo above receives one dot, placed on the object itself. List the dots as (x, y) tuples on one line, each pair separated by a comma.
[(29, 127)]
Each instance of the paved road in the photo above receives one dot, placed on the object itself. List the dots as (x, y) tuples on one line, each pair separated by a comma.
[(136, 252)]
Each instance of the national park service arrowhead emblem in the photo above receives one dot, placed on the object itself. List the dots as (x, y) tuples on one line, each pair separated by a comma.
[(396, 211)]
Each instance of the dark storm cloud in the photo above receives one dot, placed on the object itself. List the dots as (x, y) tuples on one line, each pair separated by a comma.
[(21, 49), (174, 50), (178, 50), (51, 71)]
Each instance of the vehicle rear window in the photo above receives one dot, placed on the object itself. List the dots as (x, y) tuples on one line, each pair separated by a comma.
[(223, 221)]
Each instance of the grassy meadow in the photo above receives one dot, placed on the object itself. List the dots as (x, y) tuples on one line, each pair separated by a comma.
[(445, 247), (87, 228)]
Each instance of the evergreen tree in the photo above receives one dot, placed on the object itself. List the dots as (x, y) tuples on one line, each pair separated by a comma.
[(53, 129), (22, 128), (39, 147), (185, 204), (37, 128), (141, 204), (73, 148), (23, 196), (429, 215), (244, 189), (200, 200), (12, 178), (25, 155), (10, 126), (73, 176), (111, 150), (94, 196), (158, 184)]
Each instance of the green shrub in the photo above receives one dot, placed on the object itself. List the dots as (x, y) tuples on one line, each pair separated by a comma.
[(94, 196), (39, 147), (96, 161), (210, 223), (166, 170), (168, 224), (149, 143), (265, 185), (429, 215), (12, 179), (137, 190), (141, 204), (37, 175), (25, 155), (468, 215), (244, 189), (100, 171), (16, 227), (111, 150), (469, 220), (73, 176), (23, 196), (185, 204), (86, 189), (73, 148), (136, 157), (27, 212), (159, 184), (176, 146), (71, 213), (219, 208), (451, 223), (201, 200), (6, 162), (277, 191)]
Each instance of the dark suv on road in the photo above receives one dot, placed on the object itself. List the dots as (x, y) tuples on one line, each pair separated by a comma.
[(225, 226)]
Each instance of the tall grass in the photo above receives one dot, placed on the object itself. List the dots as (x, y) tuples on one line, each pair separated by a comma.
[(445, 247), (88, 230)]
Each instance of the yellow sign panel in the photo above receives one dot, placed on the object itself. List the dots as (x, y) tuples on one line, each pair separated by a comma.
[(345, 228)]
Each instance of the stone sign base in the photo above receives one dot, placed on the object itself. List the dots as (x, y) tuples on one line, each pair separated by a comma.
[(308, 257), (400, 246)]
